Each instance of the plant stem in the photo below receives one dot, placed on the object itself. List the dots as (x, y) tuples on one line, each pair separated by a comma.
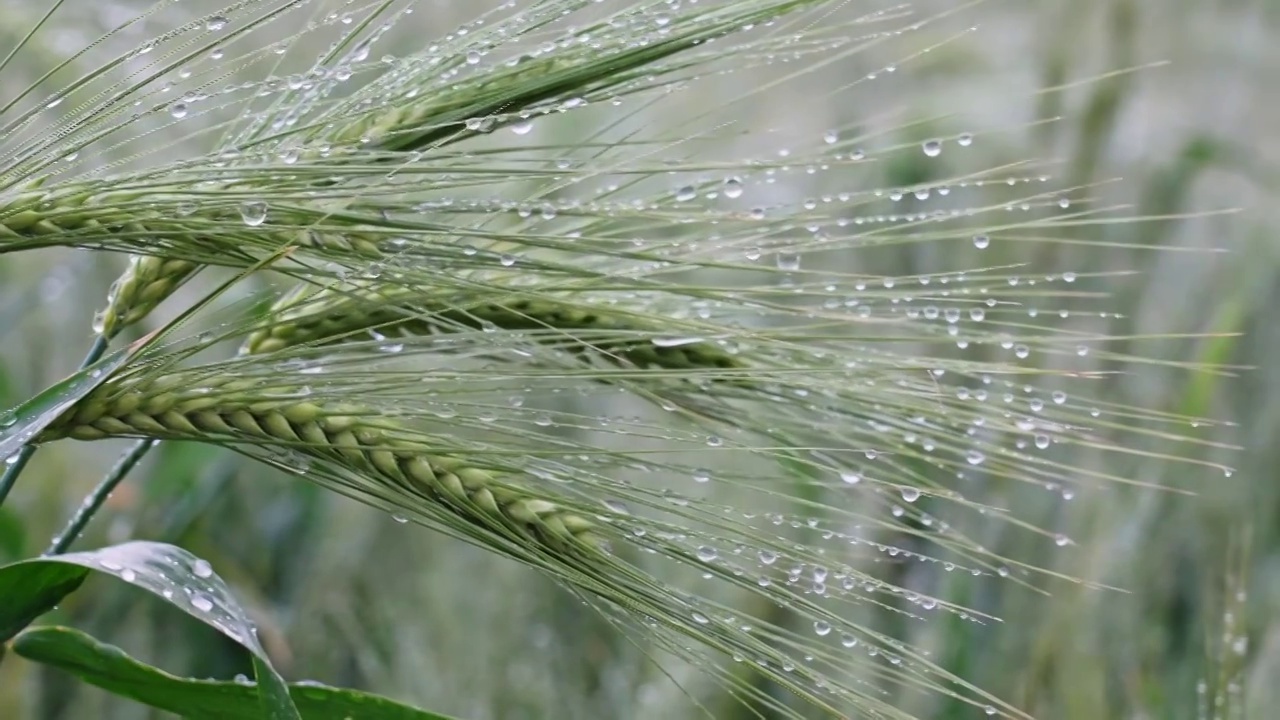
[(11, 473), (93, 502)]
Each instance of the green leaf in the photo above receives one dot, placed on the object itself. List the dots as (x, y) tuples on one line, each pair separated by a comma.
[(23, 423), (32, 587), (13, 534), (109, 668)]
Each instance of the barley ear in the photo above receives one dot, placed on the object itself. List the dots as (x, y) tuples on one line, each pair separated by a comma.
[(333, 315), (139, 289), (351, 436)]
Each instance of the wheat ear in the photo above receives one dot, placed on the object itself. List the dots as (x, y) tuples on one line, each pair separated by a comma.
[(139, 289), (229, 411), (327, 316)]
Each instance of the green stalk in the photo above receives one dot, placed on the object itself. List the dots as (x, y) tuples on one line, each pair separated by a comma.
[(95, 499)]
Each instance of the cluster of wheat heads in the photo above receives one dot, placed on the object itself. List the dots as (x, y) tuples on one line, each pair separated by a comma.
[(597, 356)]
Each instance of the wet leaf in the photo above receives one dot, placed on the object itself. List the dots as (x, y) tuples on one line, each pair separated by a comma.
[(23, 423), (32, 587), (109, 668)]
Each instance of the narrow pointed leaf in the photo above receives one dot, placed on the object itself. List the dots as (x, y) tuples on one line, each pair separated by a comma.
[(19, 425), (32, 587), (109, 668)]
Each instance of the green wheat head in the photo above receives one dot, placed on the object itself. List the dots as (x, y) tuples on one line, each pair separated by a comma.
[(619, 359)]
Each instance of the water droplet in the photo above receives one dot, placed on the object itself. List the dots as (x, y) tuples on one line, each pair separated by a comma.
[(932, 148), (982, 242), (686, 193), (254, 213), (768, 557), (733, 188), (975, 457), (701, 475), (202, 569), (909, 494), (1061, 540), (473, 58), (821, 627), (830, 137), (667, 342), (788, 260), (851, 478), (965, 139), (128, 575), (700, 618), (523, 127), (1021, 351), (706, 553), (217, 22), (399, 518), (178, 110), (201, 603)]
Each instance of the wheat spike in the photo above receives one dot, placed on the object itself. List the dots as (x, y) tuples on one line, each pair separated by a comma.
[(139, 289), (93, 215), (327, 316), (442, 115), (346, 434)]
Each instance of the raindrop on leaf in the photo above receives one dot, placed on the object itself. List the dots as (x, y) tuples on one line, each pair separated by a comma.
[(254, 212)]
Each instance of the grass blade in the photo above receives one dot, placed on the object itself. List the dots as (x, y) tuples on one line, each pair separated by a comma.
[(111, 669)]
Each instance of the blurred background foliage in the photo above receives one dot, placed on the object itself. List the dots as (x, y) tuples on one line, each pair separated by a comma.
[(346, 595)]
